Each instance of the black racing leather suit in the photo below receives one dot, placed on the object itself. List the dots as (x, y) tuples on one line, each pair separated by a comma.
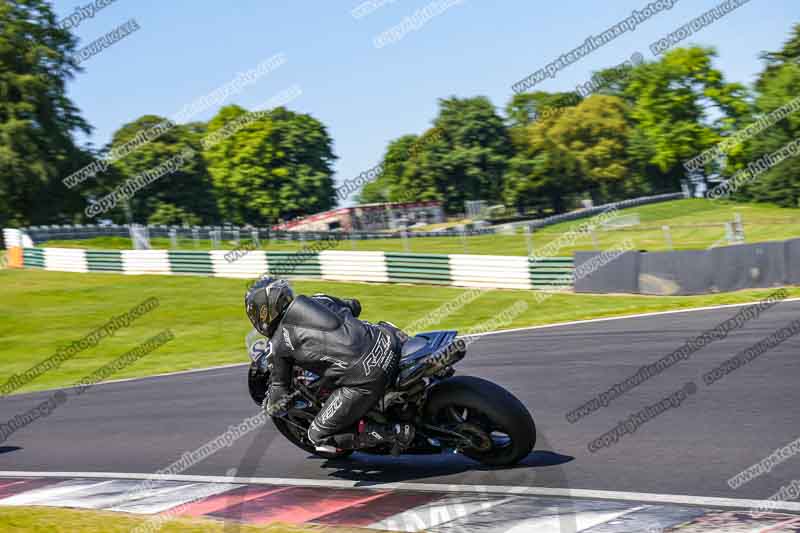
[(321, 334)]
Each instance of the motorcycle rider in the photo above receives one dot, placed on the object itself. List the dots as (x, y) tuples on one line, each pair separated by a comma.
[(322, 334)]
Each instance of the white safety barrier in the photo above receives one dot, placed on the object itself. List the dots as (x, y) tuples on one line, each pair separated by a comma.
[(65, 259), (490, 271), (247, 266), (353, 266), (145, 262)]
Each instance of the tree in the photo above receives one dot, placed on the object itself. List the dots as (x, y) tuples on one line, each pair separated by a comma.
[(274, 165), (467, 157), (775, 61), (525, 108), (389, 185), (37, 119), (187, 189), (582, 149), (593, 136), (778, 84), (672, 102), (463, 157), (168, 214)]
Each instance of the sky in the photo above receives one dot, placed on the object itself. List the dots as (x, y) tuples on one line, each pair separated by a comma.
[(367, 95)]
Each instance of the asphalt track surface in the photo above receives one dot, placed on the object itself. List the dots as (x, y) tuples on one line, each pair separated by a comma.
[(144, 425)]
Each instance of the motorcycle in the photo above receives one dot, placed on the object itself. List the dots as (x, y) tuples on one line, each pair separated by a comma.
[(464, 414)]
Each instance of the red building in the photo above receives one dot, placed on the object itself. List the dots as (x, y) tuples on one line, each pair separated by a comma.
[(369, 217)]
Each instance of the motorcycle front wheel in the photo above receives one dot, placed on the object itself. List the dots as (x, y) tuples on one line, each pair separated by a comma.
[(299, 438), (258, 382)]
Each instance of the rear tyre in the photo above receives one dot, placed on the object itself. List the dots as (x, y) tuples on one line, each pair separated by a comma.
[(501, 428)]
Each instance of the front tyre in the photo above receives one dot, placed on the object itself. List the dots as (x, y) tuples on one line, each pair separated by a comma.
[(500, 428), (300, 439), (257, 385)]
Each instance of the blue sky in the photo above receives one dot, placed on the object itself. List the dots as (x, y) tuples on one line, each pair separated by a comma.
[(365, 95)]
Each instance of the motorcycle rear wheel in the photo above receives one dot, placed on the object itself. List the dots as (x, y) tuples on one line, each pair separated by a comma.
[(500, 426)]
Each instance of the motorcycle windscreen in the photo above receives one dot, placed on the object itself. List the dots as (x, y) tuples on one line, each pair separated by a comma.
[(257, 345)]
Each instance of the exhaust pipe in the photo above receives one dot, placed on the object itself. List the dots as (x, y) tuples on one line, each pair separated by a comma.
[(430, 366)]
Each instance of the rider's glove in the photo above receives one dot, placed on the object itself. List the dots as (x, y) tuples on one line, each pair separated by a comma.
[(355, 306), (277, 401)]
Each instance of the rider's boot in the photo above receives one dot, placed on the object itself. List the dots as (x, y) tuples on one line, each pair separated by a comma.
[(327, 448), (370, 434), (398, 435)]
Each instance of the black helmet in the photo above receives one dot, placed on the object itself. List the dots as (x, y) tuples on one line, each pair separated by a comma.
[(265, 302)]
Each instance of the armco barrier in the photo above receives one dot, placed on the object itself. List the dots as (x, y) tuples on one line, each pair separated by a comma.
[(104, 260), (620, 275), (723, 269), (687, 271), (301, 264), (490, 271), (33, 257), (182, 262), (592, 211), (52, 234), (418, 268), (550, 272), (793, 261), (749, 265)]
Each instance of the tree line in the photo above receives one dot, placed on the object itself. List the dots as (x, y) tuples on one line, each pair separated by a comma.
[(629, 135)]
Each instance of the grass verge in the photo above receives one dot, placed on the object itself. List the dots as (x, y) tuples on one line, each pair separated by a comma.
[(42, 311), (694, 224), (53, 520)]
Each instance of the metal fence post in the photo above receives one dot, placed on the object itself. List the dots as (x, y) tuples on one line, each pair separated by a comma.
[(594, 238), (196, 237), (667, 236), (738, 227), (173, 238), (529, 239), (729, 234)]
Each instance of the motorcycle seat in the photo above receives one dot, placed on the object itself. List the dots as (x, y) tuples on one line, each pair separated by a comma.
[(412, 346)]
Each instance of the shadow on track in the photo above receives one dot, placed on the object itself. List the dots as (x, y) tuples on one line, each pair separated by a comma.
[(9, 449), (376, 469)]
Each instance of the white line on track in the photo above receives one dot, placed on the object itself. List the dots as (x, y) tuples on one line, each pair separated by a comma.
[(625, 317), (179, 372), (645, 497)]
